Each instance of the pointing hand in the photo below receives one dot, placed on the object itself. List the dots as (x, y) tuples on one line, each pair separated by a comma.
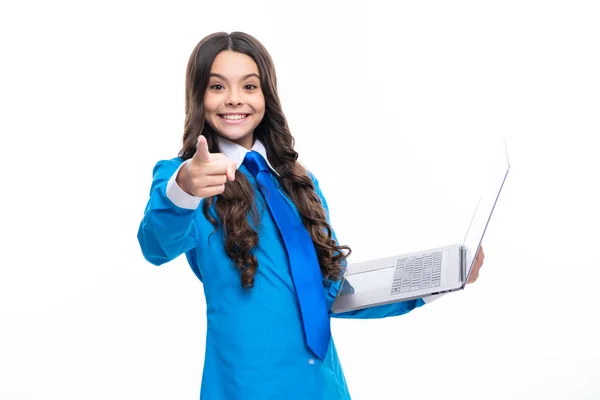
[(205, 174)]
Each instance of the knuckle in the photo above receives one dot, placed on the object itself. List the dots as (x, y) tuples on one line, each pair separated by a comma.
[(195, 167)]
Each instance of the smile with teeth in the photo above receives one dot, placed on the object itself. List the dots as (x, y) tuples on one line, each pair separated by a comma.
[(233, 117)]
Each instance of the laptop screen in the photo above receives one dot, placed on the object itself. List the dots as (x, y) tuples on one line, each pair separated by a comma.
[(491, 187)]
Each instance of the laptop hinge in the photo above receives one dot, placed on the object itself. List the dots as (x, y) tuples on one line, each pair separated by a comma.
[(463, 265)]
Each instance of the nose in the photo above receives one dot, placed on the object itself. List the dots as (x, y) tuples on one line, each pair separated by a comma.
[(234, 98)]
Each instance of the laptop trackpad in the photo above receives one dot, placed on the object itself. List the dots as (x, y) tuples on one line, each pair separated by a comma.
[(368, 282)]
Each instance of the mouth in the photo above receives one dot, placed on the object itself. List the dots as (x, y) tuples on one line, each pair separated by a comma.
[(233, 118)]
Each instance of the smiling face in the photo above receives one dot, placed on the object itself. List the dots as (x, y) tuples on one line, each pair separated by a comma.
[(234, 103)]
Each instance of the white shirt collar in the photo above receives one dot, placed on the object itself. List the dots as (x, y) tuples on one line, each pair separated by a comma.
[(236, 152)]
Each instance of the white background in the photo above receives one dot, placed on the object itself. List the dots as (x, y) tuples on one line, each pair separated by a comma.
[(392, 106)]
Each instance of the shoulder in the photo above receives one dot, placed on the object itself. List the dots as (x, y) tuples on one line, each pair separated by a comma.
[(318, 190), (315, 181), (166, 167), (312, 176)]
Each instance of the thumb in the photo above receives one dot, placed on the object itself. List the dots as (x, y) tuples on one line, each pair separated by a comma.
[(202, 153)]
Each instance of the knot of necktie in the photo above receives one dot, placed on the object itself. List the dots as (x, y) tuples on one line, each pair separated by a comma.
[(255, 162)]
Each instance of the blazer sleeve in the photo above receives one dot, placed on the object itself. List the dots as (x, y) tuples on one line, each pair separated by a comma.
[(166, 230), (332, 287)]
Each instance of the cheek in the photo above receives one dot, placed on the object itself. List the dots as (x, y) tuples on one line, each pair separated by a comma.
[(260, 105), (260, 113), (210, 104)]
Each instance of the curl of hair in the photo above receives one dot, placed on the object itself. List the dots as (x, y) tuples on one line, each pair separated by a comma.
[(236, 203)]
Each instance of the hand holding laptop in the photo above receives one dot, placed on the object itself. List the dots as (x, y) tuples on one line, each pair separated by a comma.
[(476, 265), (427, 273)]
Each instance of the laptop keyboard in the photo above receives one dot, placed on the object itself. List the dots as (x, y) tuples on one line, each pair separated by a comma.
[(417, 272)]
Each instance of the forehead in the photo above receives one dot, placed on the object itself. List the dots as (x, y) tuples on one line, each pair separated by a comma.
[(233, 65)]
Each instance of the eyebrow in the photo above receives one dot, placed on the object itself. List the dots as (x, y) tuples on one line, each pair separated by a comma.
[(243, 77)]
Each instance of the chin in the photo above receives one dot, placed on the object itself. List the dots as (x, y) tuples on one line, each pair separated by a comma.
[(238, 138), (234, 137)]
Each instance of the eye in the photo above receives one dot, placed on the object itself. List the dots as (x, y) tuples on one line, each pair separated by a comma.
[(216, 86), (250, 86)]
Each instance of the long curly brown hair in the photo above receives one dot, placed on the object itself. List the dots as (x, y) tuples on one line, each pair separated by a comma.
[(236, 203)]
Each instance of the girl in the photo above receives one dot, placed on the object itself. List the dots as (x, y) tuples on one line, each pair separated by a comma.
[(268, 333)]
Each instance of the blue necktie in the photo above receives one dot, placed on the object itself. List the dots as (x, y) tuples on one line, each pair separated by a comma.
[(304, 263)]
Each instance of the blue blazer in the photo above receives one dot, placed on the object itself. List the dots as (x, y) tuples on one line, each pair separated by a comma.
[(255, 348)]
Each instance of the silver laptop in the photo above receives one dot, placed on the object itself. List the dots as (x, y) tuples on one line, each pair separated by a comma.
[(423, 273)]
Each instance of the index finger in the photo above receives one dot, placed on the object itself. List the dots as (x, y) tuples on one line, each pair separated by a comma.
[(231, 167)]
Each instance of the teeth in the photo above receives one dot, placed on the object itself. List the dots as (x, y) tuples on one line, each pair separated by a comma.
[(234, 116)]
